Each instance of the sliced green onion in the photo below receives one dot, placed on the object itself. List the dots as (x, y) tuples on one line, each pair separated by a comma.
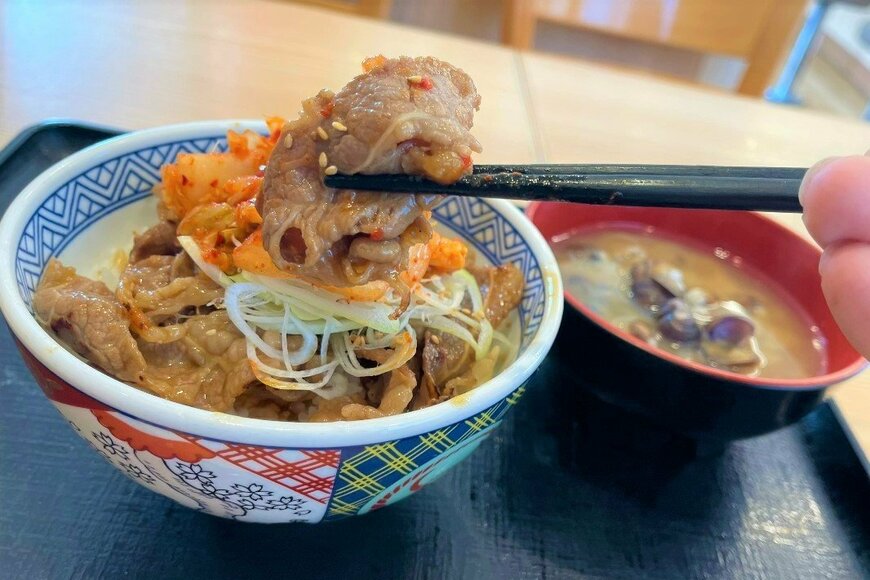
[(324, 321)]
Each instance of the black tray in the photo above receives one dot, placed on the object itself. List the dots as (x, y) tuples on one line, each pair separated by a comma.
[(566, 488)]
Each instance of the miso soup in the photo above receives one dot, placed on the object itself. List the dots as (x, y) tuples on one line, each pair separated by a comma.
[(701, 304)]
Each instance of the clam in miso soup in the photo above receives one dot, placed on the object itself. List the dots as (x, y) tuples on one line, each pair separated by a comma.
[(702, 305)]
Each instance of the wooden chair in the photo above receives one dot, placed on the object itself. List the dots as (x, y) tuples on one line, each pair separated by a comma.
[(757, 31), (370, 8)]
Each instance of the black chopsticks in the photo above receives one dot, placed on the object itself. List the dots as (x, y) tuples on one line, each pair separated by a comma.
[(685, 186)]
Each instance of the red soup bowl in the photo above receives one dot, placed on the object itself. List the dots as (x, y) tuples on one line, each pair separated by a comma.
[(696, 400)]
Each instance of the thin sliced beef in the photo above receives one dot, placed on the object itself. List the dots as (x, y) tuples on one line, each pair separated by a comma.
[(502, 288), (207, 368), (261, 402), (147, 275), (182, 267), (396, 396), (405, 115), (327, 410), (158, 240), (202, 363), (86, 316), (477, 373), (445, 357), (380, 122), (161, 287)]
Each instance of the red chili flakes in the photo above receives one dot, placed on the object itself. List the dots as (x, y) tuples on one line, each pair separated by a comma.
[(326, 111), (214, 183), (184, 179), (211, 255), (466, 161), (261, 171), (421, 82), (377, 235)]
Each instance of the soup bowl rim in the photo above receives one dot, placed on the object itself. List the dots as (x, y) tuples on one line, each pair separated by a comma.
[(808, 383)]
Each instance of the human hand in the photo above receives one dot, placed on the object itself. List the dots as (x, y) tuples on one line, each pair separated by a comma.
[(835, 195)]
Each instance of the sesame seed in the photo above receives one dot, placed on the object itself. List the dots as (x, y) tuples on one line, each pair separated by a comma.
[(338, 126), (416, 79), (331, 170), (434, 338), (288, 141), (478, 315), (322, 133), (323, 160), (465, 311)]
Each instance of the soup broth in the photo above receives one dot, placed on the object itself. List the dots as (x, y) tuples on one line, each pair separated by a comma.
[(702, 305)]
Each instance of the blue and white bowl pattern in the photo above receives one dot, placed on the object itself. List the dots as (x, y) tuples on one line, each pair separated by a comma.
[(247, 480)]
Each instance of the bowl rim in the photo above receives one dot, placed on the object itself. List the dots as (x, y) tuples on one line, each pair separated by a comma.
[(152, 409), (764, 383)]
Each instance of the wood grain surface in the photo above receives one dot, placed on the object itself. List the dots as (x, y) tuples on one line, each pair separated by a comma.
[(142, 64), (607, 116)]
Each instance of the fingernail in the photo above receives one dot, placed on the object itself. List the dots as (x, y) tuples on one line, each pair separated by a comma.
[(810, 175)]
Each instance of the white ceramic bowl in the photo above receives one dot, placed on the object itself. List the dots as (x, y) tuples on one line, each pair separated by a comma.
[(87, 206)]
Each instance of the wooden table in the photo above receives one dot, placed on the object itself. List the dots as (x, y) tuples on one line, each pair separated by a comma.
[(141, 64), (586, 113)]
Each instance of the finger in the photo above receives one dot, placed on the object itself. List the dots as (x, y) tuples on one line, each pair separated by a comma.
[(845, 280), (836, 200)]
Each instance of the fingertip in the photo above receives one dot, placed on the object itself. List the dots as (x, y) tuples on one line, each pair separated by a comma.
[(810, 176), (835, 195), (845, 278)]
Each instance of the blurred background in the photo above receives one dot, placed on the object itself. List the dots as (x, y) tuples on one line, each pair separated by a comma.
[(813, 54)]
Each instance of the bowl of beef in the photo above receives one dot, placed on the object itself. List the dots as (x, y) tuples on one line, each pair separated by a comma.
[(258, 346)]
